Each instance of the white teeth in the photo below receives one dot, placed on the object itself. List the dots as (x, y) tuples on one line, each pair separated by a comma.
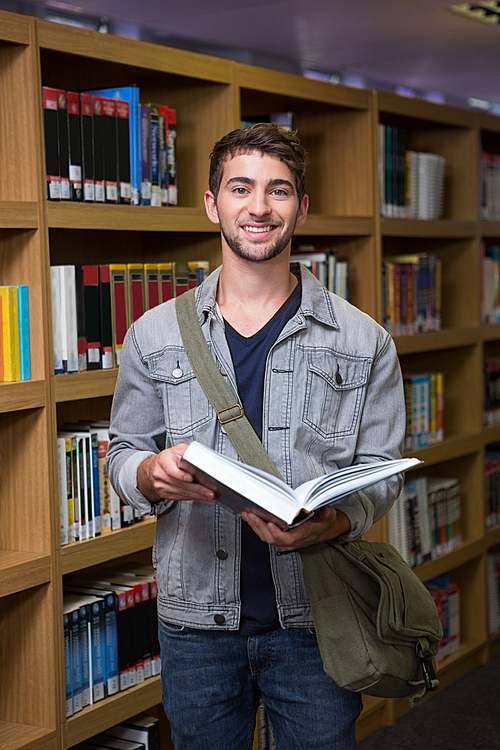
[(257, 230)]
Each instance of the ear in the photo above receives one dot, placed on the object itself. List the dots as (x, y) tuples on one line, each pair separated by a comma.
[(211, 207), (302, 214)]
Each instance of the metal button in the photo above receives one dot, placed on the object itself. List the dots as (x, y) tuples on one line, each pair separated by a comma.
[(177, 373), (222, 554), (219, 619)]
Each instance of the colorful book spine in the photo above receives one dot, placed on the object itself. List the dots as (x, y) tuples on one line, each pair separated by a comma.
[(10, 333)]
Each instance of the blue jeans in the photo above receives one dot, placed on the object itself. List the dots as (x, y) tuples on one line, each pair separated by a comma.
[(212, 682)]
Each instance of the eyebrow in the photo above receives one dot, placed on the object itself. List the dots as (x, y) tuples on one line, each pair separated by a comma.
[(272, 183)]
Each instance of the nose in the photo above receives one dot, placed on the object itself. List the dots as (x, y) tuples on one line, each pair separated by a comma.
[(258, 205)]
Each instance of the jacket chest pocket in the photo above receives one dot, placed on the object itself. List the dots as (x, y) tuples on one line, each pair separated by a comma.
[(186, 408), (335, 390)]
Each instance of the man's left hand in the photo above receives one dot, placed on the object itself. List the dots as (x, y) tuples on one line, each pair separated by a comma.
[(327, 523)]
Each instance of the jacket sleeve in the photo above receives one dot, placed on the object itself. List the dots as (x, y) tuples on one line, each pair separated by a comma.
[(380, 437), (137, 428)]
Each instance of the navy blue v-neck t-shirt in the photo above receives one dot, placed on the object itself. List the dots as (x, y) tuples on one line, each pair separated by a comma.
[(258, 603)]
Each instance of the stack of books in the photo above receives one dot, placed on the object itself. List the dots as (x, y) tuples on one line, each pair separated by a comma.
[(93, 307), (494, 590), (490, 185), (15, 358), (446, 595), (411, 183), (424, 397), (490, 283), (110, 633), (411, 294), (140, 732), (326, 266), (492, 484), (426, 520), (491, 390), (104, 146)]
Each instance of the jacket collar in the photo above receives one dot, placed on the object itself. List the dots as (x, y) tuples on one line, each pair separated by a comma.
[(316, 301)]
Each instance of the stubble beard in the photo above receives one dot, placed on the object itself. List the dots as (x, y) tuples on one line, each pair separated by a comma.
[(240, 249)]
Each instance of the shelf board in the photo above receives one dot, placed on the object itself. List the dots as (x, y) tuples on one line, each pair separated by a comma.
[(20, 571), (80, 385), (452, 447), (25, 394), (489, 228), (14, 28), (493, 536), (25, 737), (422, 109), (18, 215), (133, 53), (465, 553), (118, 543), (113, 710), (316, 224), (491, 433), (127, 218), (448, 338), (372, 717), (299, 87), (444, 228), (490, 331)]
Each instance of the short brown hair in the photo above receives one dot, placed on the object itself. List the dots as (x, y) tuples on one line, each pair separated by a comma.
[(266, 138)]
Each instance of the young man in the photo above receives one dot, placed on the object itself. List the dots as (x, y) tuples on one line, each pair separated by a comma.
[(321, 383)]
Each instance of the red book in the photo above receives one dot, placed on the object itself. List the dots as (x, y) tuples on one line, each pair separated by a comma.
[(135, 276), (117, 276)]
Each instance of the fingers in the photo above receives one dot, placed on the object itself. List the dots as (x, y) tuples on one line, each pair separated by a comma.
[(328, 523), (166, 479)]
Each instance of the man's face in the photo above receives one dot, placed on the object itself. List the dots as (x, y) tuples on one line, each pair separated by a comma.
[(257, 206)]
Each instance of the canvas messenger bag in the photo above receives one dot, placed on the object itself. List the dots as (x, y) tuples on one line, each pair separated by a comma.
[(376, 624)]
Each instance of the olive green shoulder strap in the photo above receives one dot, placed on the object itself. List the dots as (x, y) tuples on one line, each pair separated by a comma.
[(229, 412)]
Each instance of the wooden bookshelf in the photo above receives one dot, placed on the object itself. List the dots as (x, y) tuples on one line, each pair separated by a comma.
[(338, 125)]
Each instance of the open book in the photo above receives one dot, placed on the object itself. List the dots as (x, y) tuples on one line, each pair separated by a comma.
[(240, 487)]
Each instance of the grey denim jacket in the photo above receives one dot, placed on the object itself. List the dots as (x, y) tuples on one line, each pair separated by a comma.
[(332, 396)]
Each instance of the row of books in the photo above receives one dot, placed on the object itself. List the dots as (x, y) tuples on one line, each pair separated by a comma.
[(411, 293), (411, 183), (491, 390), (490, 283), (492, 484), (110, 633), (446, 595), (424, 398), (140, 732), (493, 572), (490, 185), (93, 307), (88, 504), (105, 146), (15, 358), (426, 520), (326, 266)]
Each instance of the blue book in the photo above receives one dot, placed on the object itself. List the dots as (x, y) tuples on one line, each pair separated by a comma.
[(130, 94), (24, 331)]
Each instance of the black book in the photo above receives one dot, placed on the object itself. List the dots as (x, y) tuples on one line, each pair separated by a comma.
[(86, 146), (110, 150), (107, 357), (52, 169), (98, 148), (75, 149), (62, 133)]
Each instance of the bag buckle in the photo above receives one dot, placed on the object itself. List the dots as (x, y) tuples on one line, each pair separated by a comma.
[(431, 681), (231, 417)]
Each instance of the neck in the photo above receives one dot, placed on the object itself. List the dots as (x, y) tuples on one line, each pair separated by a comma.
[(250, 293)]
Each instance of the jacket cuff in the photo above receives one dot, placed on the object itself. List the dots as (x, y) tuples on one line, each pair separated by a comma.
[(356, 510), (128, 491)]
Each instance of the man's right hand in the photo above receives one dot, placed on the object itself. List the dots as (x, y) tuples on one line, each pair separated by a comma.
[(160, 477)]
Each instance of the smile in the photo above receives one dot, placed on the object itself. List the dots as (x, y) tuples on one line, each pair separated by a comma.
[(258, 230)]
